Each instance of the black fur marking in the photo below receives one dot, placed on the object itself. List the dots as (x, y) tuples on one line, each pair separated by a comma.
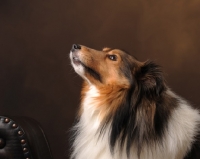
[(127, 68), (143, 115), (151, 78), (93, 73), (194, 153)]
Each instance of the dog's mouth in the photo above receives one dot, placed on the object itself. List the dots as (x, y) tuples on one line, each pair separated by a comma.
[(75, 59)]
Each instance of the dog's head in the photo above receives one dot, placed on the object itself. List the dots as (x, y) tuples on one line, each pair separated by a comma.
[(114, 67)]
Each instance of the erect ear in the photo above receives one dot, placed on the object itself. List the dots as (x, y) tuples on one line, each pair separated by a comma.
[(151, 78)]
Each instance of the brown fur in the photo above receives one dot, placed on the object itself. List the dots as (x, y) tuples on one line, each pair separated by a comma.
[(114, 86)]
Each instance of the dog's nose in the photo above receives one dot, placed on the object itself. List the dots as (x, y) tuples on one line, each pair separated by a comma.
[(75, 47)]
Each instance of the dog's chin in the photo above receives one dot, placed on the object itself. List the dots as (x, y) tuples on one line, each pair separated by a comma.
[(80, 69), (75, 60)]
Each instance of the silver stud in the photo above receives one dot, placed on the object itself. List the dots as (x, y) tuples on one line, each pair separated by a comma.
[(6, 120), (20, 133), (14, 125), (25, 149), (23, 141)]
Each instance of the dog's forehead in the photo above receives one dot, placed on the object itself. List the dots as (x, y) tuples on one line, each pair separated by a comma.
[(107, 49)]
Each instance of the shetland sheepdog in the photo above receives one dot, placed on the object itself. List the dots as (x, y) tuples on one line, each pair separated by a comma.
[(128, 112)]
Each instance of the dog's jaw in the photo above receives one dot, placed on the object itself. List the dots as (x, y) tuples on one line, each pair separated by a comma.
[(77, 65)]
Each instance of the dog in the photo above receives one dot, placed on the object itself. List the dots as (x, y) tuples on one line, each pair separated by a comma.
[(128, 112)]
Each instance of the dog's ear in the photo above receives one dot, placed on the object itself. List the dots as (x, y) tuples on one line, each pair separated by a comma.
[(150, 79)]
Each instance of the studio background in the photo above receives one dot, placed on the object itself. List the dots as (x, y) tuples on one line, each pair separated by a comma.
[(36, 78)]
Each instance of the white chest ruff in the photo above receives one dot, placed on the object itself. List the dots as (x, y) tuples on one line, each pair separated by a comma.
[(177, 140), (87, 143)]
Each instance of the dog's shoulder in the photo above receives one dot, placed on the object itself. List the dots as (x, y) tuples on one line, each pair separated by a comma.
[(194, 152)]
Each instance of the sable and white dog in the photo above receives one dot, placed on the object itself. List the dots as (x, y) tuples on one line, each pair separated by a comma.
[(128, 112)]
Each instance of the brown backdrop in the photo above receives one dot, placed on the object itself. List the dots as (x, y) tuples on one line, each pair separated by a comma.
[(36, 78)]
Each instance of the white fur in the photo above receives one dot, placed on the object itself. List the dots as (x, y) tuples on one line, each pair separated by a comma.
[(78, 68), (179, 135), (86, 144)]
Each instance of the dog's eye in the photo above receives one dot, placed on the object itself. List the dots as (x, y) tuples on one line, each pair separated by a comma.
[(112, 57)]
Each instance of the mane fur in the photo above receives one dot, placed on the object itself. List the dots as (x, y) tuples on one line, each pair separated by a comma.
[(143, 111)]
